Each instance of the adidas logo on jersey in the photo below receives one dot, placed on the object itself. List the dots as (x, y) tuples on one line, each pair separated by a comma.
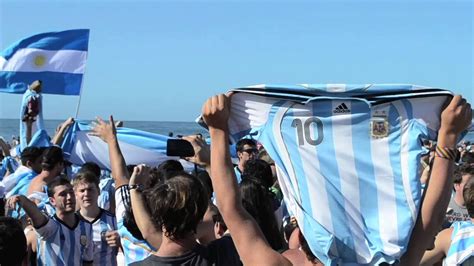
[(341, 109)]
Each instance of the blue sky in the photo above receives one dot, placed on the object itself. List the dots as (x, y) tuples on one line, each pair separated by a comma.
[(160, 60)]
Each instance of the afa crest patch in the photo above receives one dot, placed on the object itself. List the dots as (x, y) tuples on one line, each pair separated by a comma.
[(83, 240), (379, 127)]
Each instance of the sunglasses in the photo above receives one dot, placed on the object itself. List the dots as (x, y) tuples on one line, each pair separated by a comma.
[(249, 151)]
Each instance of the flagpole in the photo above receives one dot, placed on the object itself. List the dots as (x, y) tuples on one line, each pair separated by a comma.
[(80, 96), (82, 84)]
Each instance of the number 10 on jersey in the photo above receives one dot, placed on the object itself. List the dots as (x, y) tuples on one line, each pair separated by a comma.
[(304, 133)]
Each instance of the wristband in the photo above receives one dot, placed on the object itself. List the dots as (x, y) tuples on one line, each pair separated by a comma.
[(138, 187), (446, 153)]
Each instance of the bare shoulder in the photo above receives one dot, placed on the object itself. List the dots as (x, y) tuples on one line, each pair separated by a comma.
[(295, 256), (36, 185), (444, 239)]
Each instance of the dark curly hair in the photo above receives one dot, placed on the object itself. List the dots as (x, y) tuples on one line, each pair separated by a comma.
[(460, 171), (177, 205), (59, 181), (52, 156), (258, 170), (31, 154)]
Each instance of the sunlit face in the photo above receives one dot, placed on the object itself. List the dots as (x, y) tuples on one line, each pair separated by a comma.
[(63, 199), (86, 194)]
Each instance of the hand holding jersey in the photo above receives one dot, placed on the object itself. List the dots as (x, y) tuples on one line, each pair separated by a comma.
[(247, 236), (334, 163), (455, 118), (216, 112)]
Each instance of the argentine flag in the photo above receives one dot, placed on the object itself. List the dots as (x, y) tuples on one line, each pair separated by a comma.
[(137, 147), (58, 59)]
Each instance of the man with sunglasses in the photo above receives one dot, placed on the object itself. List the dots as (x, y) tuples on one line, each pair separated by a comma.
[(246, 150)]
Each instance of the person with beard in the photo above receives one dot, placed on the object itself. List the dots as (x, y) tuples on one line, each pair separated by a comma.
[(64, 239)]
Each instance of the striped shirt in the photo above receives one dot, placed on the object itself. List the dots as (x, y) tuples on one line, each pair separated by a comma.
[(107, 189), (103, 253), (347, 159), (59, 244), (462, 244), (12, 180), (133, 248)]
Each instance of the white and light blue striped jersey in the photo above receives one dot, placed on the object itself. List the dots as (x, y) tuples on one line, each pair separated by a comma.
[(43, 202), (21, 187), (133, 248), (10, 181), (103, 253), (462, 244), (107, 190), (347, 159), (59, 244)]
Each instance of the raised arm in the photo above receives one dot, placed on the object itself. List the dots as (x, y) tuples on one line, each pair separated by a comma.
[(455, 118), (58, 137), (141, 173), (5, 149), (37, 217), (247, 236), (29, 130), (107, 132)]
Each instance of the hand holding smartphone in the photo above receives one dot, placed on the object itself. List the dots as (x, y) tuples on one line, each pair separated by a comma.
[(179, 147)]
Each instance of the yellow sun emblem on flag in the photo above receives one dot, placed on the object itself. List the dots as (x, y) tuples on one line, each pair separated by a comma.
[(40, 60)]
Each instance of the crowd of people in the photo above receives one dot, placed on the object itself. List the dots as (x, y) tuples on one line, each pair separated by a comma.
[(220, 214)]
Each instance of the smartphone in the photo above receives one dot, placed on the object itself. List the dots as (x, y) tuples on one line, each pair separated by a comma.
[(179, 147)]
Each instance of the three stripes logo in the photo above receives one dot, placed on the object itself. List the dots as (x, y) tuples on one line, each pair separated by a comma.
[(341, 109)]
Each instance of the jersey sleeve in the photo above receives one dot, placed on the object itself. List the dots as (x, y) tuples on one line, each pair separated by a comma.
[(47, 230), (248, 113), (122, 201)]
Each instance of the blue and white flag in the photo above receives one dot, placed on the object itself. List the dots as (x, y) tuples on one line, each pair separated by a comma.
[(58, 59), (137, 147), (8, 164)]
